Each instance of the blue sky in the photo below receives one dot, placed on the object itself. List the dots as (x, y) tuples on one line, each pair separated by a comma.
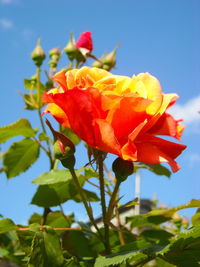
[(159, 37)]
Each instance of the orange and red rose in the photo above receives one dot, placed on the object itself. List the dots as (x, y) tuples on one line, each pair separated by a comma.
[(117, 114)]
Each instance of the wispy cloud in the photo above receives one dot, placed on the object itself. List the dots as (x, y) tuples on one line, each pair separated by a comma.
[(7, 2), (189, 112), (6, 24), (194, 159), (27, 34)]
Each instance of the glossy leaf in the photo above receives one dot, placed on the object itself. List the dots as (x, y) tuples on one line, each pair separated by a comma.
[(36, 218), (77, 244), (159, 236), (55, 194), (43, 137), (141, 220), (21, 127), (37, 254), (54, 177), (31, 84), (196, 218), (194, 203), (52, 248), (183, 250), (135, 245), (20, 156), (7, 225), (115, 259), (158, 169), (58, 219), (31, 101)]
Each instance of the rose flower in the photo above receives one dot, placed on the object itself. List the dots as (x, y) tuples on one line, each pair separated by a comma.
[(117, 114)]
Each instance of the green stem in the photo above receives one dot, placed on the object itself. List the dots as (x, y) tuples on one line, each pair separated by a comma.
[(103, 203), (40, 117), (83, 197), (112, 202)]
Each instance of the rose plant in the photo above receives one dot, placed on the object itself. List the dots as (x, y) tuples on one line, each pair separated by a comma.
[(109, 114)]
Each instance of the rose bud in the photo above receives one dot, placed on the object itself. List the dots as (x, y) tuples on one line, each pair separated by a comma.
[(70, 49), (38, 54), (122, 169), (54, 54), (109, 61), (63, 148), (85, 42)]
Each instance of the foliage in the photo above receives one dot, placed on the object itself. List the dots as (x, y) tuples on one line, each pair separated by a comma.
[(160, 237)]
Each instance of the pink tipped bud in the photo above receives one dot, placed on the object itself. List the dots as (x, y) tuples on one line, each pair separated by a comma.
[(85, 41)]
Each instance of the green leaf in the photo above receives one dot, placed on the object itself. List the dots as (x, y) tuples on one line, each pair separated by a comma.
[(31, 84), (196, 218), (36, 218), (53, 177), (31, 101), (155, 168), (7, 225), (3, 252), (20, 156), (194, 203), (141, 220), (52, 248), (115, 259), (156, 217), (89, 173), (131, 203), (183, 250), (158, 236), (26, 238), (55, 194), (160, 262), (90, 196), (58, 219), (135, 245), (37, 254), (77, 244), (43, 137), (21, 127)]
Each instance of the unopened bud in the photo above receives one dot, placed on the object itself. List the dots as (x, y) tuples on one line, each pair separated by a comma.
[(63, 148), (85, 42), (122, 169), (54, 54), (71, 49), (53, 63), (38, 54), (109, 61), (64, 153), (97, 64)]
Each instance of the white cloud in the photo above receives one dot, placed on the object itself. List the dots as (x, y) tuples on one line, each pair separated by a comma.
[(6, 24), (190, 111), (27, 34), (7, 2), (194, 159)]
